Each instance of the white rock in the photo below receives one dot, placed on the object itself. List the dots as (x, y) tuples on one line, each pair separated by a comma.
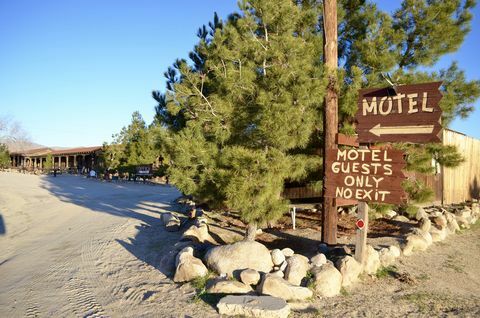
[(328, 280), (425, 224), (239, 256), (277, 257), (278, 273), (297, 268), (253, 306), (198, 234), (476, 209), (401, 218), (318, 260), (466, 213), (438, 234), (350, 270), (440, 221), (421, 214), (462, 222), (250, 277), (390, 214), (189, 268), (225, 286), (372, 260), (184, 253), (288, 252), (283, 267), (415, 242), (171, 222), (452, 224), (276, 286), (388, 255)]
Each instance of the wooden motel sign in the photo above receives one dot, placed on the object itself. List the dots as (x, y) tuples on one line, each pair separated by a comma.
[(370, 175), (407, 113)]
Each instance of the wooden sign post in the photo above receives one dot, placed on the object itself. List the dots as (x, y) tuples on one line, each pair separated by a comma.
[(361, 235), (329, 215), (408, 113)]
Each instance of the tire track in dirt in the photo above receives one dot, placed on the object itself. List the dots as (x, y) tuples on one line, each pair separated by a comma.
[(82, 300)]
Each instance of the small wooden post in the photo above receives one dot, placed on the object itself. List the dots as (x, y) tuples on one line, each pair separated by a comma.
[(294, 214), (361, 239)]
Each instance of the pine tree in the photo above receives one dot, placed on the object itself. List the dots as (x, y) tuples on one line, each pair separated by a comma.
[(238, 115), (245, 115), (4, 156), (48, 165), (133, 146)]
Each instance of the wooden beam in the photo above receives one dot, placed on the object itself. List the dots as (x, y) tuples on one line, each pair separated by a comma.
[(344, 202), (347, 140)]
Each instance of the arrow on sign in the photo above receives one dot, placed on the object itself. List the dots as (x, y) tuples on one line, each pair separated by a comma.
[(378, 130)]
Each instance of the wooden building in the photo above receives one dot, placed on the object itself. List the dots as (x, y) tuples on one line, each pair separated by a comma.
[(78, 159)]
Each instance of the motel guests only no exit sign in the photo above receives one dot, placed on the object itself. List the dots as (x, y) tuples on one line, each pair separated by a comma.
[(407, 113), (370, 175)]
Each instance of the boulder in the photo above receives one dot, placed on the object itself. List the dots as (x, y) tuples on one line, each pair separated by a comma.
[(297, 267), (466, 213), (440, 221), (277, 257), (198, 233), (421, 214), (438, 234), (328, 280), (189, 268), (250, 277), (476, 209), (239, 256), (171, 222), (278, 287), (225, 286), (183, 253), (415, 242), (452, 224), (288, 252), (463, 222), (278, 273), (424, 224), (390, 214), (372, 261), (318, 260), (388, 255), (253, 306), (350, 270), (401, 218)]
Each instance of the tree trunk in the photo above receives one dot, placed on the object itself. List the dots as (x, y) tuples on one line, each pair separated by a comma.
[(251, 232)]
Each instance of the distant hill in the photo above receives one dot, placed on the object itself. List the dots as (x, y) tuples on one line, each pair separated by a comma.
[(14, 146)]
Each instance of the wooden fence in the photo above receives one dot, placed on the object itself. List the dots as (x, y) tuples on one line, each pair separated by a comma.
[(463, 182)]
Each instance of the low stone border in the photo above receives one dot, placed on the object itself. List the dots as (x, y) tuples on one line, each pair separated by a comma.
[(250, 269)]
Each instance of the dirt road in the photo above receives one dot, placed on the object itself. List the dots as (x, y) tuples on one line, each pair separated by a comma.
[(71, 247)]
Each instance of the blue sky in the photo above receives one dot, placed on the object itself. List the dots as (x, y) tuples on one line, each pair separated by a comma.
[(72, 72)]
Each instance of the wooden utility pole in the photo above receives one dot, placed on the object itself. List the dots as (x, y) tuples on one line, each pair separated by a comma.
[(330, 56)]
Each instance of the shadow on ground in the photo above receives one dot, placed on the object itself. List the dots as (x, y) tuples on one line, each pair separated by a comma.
[(2, 226), (143, 202)]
